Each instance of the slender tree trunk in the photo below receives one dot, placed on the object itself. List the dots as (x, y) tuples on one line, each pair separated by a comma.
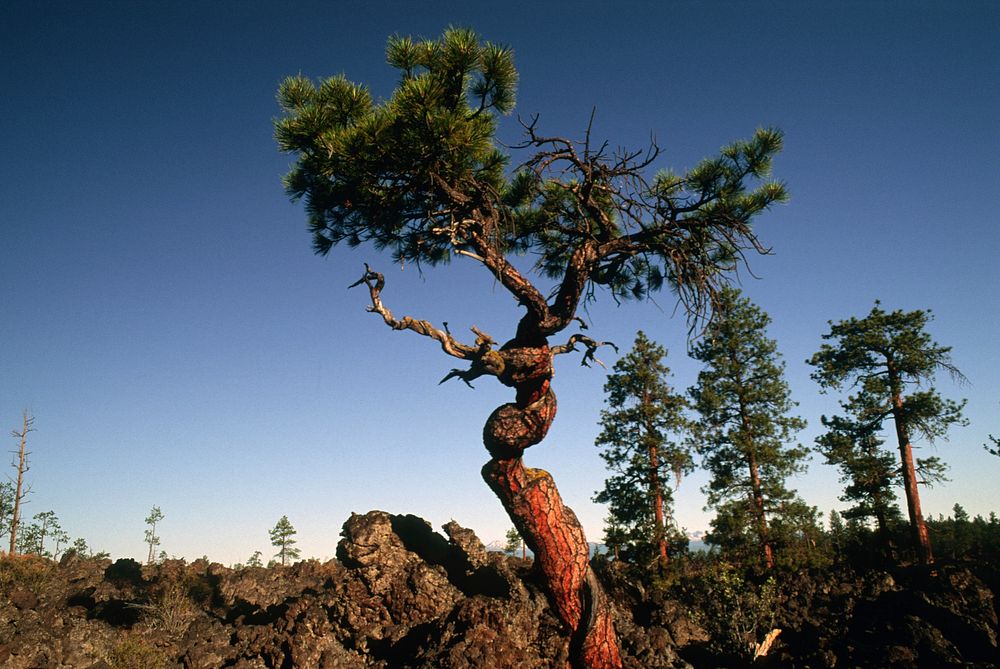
[(918, 528), (656, 495), (654, 484), (15, 519), (152, 535), (548, 526), (758, 505)]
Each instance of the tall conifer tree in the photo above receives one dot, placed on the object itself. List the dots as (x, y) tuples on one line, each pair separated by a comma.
[(154, 517), (642, 442), (745, 424), (281, 538), (883, 356)]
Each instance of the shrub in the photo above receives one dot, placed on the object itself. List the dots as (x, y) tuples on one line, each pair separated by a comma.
[(736, 612), (132, 653)]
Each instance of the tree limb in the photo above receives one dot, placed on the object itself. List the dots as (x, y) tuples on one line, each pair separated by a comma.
[(375, 282), (591, 345)]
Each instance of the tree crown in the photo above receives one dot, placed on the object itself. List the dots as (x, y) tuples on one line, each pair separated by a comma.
[(744, 402), (421, 174), (880, 355), (880, 345)]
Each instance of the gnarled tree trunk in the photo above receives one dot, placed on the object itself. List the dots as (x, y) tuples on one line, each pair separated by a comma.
[(548, 526), (531, 499)]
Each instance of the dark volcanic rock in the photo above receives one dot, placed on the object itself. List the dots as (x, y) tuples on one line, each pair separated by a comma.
[(403, 596), (910, 619)]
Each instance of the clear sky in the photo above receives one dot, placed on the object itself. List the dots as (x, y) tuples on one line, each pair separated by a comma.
[(165, 321)]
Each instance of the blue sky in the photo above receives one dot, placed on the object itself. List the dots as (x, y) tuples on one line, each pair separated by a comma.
[(165, 321)]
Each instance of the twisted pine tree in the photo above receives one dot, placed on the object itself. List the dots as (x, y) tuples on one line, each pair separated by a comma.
[(882, 355), (420, 175), (642, 444)]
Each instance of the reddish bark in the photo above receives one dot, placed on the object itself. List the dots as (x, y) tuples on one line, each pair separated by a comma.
[(531, 499), (549, 528), (918, 528)]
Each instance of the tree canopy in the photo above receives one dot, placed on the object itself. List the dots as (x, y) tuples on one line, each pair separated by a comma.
[(281, 538), (422, 175)]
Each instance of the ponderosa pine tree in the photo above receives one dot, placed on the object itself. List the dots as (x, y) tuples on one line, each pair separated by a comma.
[(281, 538), (48, 526), (515, 543), (643, 443), (421, 175), (6, 506), (881, 355), (745, 423)]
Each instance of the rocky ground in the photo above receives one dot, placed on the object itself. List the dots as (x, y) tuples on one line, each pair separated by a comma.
[(401, 595)]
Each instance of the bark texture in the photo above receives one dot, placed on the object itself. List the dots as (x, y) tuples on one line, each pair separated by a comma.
[(918, 528), (759, 510), (531, 499), (654, 484)]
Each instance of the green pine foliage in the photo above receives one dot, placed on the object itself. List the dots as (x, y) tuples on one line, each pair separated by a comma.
[(963, 538), (745, 427), (281, 538), (155, 516), (421, 175), (868, 472), (643, 443), (887, 354), (6, 506), (373, 171), (513, 541)]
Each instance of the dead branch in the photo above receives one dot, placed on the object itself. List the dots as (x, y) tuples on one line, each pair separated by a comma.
[(375, 282), (591, 345)]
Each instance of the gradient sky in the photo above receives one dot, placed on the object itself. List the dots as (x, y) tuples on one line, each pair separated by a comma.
[(165, 321)]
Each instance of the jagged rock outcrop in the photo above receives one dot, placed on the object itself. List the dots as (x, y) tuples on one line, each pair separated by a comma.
[(398, 595)]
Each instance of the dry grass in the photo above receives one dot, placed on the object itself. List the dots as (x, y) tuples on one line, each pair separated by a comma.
[(24, 572), (132, 653)]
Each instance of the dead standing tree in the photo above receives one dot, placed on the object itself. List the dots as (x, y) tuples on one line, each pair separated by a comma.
[(420, 174), (21, 464)]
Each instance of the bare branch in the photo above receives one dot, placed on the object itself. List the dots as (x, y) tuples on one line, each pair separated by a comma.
[(375, 282), (591, 345)]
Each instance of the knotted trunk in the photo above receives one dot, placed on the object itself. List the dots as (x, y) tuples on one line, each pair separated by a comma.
[(531, 499)]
